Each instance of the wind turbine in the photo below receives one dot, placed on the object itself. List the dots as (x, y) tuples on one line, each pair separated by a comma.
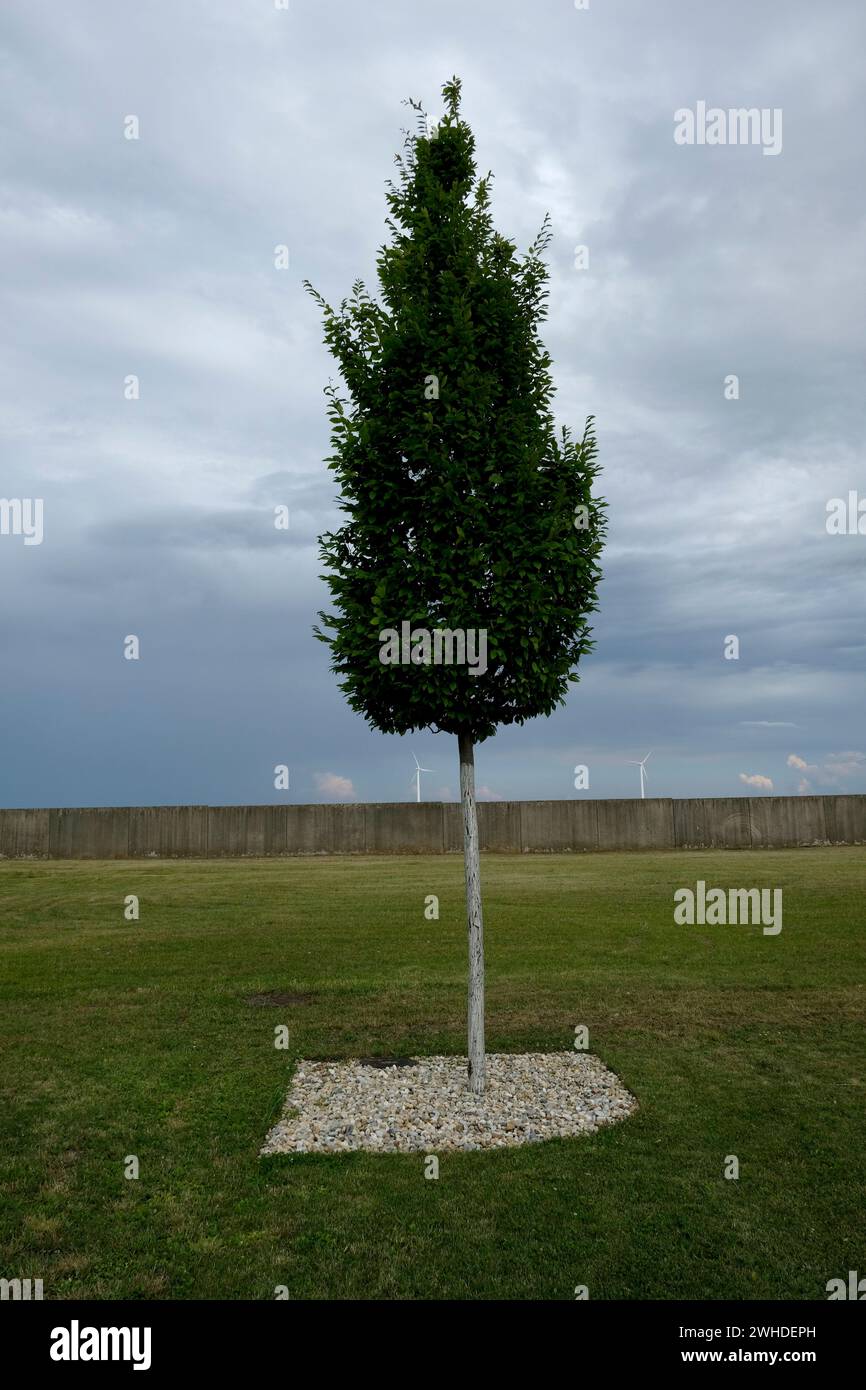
[(633, 762), (417, 776)]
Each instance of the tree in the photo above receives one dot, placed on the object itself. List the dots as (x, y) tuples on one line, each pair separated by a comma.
[(467, 513)]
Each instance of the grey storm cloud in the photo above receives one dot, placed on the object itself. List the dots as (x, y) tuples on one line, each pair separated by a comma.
[(155, 258)]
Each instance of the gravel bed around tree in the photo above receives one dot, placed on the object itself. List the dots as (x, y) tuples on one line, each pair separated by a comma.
[(427, 1107)]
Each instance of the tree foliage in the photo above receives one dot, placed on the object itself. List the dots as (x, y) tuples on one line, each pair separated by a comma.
[(460, 495)]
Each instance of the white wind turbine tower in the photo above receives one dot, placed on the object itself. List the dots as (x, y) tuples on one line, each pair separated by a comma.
[(633, 762), (417, 777)]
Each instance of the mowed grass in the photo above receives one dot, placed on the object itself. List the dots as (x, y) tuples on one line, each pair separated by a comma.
[(122, 1038)]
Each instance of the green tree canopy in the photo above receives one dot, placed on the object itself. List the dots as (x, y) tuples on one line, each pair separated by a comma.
[(465, 508)]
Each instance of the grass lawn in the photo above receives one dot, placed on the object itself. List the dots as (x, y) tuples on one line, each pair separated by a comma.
[(124, 1038)]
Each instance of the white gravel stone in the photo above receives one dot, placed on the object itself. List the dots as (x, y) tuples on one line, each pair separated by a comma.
[(335, 1107)]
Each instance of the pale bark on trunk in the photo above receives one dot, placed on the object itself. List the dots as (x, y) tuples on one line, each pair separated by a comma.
[(473, 914)]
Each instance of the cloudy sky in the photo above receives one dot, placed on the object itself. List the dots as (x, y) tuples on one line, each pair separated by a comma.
[(261, 126)]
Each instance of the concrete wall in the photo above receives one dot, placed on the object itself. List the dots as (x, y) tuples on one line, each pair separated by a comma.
[(722, 822), (23, 834), (236, 831), (636, 824), (845, 819), (89, 833), (326, 830), (168, 832), (431, 827)]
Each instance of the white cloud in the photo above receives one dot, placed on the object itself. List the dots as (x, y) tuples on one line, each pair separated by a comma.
[(841, 765), (333, 786), (835, 769), (794, 761), (756, 779)]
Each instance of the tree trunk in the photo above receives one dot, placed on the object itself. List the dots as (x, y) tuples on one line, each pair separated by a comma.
[(473, 915)]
